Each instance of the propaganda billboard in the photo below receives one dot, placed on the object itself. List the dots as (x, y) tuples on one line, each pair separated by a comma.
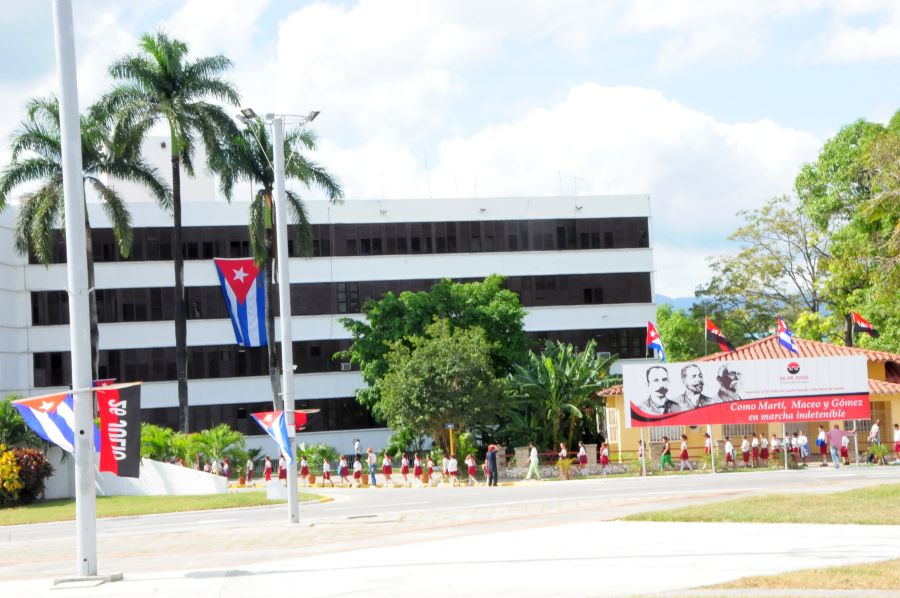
[(746, 391)]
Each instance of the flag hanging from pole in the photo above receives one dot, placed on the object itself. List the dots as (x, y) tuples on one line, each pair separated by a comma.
[(654, 342), (120, 429), (861, 325), (244, 289), (52, 417), (785, 337), (275, 425), (715, 335)]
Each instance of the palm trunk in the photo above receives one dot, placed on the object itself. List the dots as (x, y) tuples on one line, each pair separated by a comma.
[(180, 316), (274, 369), (92, 304)]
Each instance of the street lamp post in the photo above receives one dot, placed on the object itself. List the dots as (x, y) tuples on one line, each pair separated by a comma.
[(284, 294)]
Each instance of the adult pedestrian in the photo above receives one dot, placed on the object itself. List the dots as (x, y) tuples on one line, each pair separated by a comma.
[(356, 447), (874, 440), (533, 462), (836, 438), (666, 458), (371, 459), (491, 459)]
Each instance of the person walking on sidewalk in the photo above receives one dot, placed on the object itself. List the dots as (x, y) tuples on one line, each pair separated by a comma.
[(666, 458), (533, 462), (282, 469), (417, 469), (582, 458), (344, 471), (304, 470), (685, 459), (897, 442), (604, 458), (387, 469), (357, 472), (453, 470), (370, 459), (822, 445), (267, 469), (471, 469), (404, 469), (563, 461), (491, 459), (249, 467), (836, 438), (729, 453)]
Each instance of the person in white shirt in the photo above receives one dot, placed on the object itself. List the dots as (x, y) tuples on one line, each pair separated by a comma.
[(453, 470), (764, 451), (563, 461), (803, 441), (822, 445), (897, 442), (729, 453), (326, 472), (371, 460), (845, 450), (343, 471), (357, 472), (582, 458), (445, 470), (685, 461), (754, 450), (249, 468), (874, 440), (533, 463), (745, 451)]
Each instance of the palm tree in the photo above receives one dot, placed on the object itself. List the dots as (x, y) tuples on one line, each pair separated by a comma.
[(220, 442), (249, 158), (160, 84), (107, 152)]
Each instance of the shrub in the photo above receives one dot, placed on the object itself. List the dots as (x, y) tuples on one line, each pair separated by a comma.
[(315, 453), (10, 482), (34, 469)]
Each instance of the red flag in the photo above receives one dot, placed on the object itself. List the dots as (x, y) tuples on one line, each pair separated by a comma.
[(120, 429), (715, 335), (861, 325)]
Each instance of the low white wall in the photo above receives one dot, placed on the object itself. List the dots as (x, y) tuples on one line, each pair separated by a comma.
[(342, 441), (62, 483), (161, 479)]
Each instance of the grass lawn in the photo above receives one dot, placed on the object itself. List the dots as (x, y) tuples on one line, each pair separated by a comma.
[(118, 506), (871, 576), (867, 506)]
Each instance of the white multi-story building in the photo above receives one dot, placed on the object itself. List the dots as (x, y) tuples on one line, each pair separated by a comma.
[(582, 266)]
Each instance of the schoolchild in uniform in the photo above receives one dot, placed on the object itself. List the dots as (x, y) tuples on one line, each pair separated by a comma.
[(471, 469), (764, 451), (357, 472), (582, 459), (344, 471), (604, 458), (754, 450), (453, 471), (404, 469), (267, 469), (729, 453), (803, 441), (304, 470), (326, 472), (387, 470), (685, 461), (445, 469), (745, 451), (429, 468), (417, 469), (845, 450)]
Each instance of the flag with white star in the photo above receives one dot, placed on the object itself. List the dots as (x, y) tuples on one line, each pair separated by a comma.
[(52, 417), (244, 289)]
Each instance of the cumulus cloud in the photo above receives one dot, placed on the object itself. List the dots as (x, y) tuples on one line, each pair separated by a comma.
[(862, 31)]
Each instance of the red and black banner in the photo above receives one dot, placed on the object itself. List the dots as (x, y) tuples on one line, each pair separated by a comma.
[(861, 325), (120, 429), (715, 335)]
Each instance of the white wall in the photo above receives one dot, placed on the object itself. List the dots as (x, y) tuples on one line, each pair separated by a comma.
[(161, 479), (15, 313)]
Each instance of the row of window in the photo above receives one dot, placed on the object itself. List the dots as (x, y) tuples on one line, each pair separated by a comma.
[(50, 308), (230, 361), (155, 243), (334, 414)]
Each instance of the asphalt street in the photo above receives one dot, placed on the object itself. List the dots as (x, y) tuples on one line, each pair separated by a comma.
[(548, 520)]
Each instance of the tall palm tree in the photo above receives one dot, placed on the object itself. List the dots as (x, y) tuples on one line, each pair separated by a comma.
[(106, 153), (161, 84), (249, 158)]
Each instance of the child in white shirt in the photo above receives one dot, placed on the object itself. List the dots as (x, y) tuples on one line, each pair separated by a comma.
[(453, 471), (729, 453)]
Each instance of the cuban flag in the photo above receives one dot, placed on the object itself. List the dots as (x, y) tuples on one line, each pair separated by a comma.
[(52, 417), (785, 337), (275, 425), (244, 290), (654, 342), (862, 325)]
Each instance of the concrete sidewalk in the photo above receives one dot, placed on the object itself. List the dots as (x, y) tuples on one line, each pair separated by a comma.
[(590, 558)]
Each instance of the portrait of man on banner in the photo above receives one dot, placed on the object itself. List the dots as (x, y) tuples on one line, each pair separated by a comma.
[(692, 397), (729, 382), (657, 402)]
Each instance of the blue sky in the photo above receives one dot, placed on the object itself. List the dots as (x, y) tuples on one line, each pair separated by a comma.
[(709, 106)]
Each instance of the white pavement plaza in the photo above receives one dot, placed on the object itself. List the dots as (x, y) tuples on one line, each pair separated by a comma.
[(542, 539)]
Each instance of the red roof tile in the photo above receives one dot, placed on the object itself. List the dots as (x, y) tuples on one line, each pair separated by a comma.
[(770, 348), (880, 387)]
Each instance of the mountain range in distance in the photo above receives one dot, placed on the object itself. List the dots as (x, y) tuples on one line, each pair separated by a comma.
[(676, 302)]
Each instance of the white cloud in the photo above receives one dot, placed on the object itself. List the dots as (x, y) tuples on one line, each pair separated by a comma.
[(851, 41)]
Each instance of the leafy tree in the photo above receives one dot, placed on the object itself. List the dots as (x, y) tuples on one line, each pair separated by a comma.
[(249, 157), (220, 442), (445, 376), (396, 319), (778, 270), (13, 429), (106, 151), (682, 333), (557, 386), (316, 453), (161, 84)]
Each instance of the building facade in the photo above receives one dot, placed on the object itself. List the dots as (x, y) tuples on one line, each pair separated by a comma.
[(582, 266)]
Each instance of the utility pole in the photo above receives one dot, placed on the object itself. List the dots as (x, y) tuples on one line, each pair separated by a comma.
[(76, 267), (284, 302)]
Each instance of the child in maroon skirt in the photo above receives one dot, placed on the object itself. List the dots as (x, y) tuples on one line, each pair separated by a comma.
[(267, 469), (763, 452), (326, 472), (282, 469), (304, 471), (344, 471), (754, 447), (357, 472), (582, 459), (417, 469), (685, 460), (429, 468), (471, 469), (404, 469), (745, 451), (604, 458), (387, 470)]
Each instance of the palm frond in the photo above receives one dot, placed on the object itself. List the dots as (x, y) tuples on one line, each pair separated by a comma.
[(257, 227), (117, 213), (301, 219)]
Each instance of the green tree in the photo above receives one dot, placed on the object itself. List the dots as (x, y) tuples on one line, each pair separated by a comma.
[(392, 319), (445, 376), (106, 151), (249, 158), (682, 333), (161, 84), (777, 270), (156, 442), (557, 387), (220, 442)]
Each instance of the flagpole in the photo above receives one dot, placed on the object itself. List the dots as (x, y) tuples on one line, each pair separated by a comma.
[(76, 267), (785, 445), (284, 302), (712, 448)]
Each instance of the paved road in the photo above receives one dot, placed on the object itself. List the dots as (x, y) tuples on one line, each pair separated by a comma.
[(529, 534)]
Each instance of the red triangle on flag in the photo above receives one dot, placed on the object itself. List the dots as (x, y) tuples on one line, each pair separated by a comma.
[(239, 274)]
